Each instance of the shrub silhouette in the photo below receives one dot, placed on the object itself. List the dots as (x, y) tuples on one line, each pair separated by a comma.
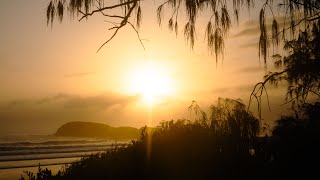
[(293, 148), (221, 145)]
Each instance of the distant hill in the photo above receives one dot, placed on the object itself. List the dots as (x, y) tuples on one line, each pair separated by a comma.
[(91, 129)]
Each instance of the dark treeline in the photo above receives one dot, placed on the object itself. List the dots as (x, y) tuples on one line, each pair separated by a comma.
[(221, 145)]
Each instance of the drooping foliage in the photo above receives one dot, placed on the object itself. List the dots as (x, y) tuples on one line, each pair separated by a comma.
[(300, 68), (82, 9), (228, 117), (295, 14), (294, 25), (122, 12)]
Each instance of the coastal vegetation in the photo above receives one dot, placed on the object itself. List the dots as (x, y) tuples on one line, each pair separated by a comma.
[(222, 144)]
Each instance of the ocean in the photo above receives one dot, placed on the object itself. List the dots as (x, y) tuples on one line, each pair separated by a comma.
[(25, 152)]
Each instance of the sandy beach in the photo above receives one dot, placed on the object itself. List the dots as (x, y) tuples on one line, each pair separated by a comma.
[(15, 173), (12, 170)]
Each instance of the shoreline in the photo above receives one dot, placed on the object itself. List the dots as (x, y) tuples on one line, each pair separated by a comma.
[(35, 163), (15, 173)]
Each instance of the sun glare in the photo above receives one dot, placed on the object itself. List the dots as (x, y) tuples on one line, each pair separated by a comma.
[(152, 82)]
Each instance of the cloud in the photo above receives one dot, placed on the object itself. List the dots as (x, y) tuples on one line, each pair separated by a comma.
[(251, 23), (68, 102), (13, 104), (77, 74), (249, 45), (249, 28), (252, 27), (246, 88), (104, 101), (252, 31), (250, 69), (100, 102), (45, 115), (52, 98)]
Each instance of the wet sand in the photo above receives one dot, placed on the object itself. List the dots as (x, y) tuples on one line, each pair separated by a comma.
[(15, 173), (12, 170), (35, 163)]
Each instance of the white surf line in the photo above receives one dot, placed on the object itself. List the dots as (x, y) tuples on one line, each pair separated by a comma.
[(36, 163)]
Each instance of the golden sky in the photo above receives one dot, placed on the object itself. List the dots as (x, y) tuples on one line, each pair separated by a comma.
[(54, 75)]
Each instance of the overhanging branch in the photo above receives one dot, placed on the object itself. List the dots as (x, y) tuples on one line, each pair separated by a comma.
[(259, 88), (108, 7)]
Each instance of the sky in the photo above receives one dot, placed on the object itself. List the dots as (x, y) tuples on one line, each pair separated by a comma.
[(53, 75)]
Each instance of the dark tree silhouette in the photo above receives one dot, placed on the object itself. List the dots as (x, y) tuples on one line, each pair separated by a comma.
[(298, 20), (300, 68), (295, 12), (201, 148), (295, 143), (228, 117)]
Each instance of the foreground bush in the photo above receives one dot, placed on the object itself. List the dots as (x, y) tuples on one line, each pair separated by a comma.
[(223, 146), (180, 150)]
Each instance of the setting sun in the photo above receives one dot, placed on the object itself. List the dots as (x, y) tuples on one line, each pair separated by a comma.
[(152, 82)]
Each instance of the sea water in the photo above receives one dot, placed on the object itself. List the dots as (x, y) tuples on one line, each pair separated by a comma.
[(25, 151)]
